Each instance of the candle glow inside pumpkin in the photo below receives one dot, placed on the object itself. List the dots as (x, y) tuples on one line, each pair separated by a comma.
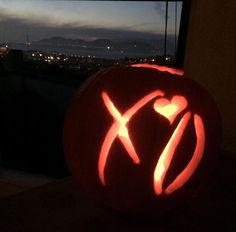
[(169, 109)]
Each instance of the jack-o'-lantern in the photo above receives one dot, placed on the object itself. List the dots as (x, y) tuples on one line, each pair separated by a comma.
[(141, 138)]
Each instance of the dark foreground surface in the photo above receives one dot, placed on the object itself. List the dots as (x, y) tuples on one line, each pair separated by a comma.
[(61, 206)]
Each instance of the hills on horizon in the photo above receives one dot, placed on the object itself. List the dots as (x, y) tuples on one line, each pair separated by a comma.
[(131, 45)]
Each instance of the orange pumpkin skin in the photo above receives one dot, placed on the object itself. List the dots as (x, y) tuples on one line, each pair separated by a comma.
[(123, 128)]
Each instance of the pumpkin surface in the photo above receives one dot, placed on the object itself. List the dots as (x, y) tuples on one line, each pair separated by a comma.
[(141, 138)]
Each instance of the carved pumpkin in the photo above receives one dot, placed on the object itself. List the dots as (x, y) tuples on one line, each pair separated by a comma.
[(141, 138)]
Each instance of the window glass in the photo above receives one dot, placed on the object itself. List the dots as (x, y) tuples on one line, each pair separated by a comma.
[(49, 48), (75, 34)]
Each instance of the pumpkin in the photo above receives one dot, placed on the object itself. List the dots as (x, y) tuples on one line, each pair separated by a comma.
[(141, 138)]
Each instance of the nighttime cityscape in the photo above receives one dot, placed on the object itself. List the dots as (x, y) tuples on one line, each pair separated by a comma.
[(79, 38)]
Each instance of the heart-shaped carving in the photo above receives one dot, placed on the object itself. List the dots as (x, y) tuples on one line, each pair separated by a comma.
[(170, 108)]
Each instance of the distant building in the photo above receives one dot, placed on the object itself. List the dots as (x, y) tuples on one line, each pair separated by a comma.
[(27, 43), (3, 49)]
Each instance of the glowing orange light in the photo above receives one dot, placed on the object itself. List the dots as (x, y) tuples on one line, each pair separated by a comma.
[(166, 156), (160, 68), (119, 129), (184, 176), (170, 109)]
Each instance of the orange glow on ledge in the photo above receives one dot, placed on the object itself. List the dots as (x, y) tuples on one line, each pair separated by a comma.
[(119, 129), (167, 154), (160, 68), (170, 109)]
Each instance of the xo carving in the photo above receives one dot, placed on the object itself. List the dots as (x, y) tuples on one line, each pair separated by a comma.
[(169, 108)]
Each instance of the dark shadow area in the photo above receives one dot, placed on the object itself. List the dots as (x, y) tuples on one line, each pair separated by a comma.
[(34, 98), (31, 133), (63, 206)]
